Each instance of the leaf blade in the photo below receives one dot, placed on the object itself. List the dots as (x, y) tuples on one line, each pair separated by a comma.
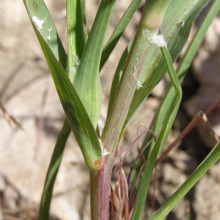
[(76, 34), (184, 64), (52, 171), (122, 24), (181, 71), (206, 164), (168, 122), (175, 35), (41, 18), (76, 114), (87, 80)]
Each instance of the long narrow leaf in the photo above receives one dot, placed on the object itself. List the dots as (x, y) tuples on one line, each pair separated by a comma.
[(169, 119), (175, 28), (87, 80), (76, 114), (76, 34), (207, 163), (113, 40), (52, 171), (41, 18), (53, 41), (181, 72), (183, 66), (39, 10)]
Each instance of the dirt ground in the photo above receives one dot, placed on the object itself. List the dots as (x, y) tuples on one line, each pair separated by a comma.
[(27, 92)]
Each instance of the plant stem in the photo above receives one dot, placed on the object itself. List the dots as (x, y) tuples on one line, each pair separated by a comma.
[(114, 126), (100, 190), (126, 89), (130, 78), (115, 121)]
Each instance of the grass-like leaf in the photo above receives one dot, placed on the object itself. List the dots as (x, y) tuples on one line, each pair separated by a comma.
[(175, 28), (52, 171), (76, 34), (183, 66), (56, 47), (168, 122), (87, 79), (41, 18), (207, 163), (61, 57), (130, 79), (76, 114), (122, 24)]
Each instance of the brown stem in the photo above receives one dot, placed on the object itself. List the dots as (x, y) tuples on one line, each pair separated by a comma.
[(197, 118)]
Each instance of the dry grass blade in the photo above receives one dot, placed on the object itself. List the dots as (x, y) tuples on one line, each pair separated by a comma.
[(9, 118)]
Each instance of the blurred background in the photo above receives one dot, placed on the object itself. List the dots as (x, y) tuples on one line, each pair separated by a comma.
[(28, 94)]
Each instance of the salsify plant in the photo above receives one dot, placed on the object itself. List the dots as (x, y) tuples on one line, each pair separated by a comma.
[(161, 34)]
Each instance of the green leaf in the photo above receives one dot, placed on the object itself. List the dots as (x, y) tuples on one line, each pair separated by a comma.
[(183, 66), (60, 54), (52, 171), (128, 83), (39, 10), (170, 96), (207, 163), (167, 124), (87, 79), (41, 18), (113, 40), (76, 114), (175, 28), (76, 34)]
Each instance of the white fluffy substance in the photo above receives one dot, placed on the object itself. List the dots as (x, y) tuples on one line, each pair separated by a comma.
[(155, 38), (158, 39)]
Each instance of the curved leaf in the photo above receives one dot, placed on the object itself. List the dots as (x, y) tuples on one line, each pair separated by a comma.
[(168, 122), (76, 34), (41, 18), (52, 171), (206, 164), (87, 79), (122, 24), (183, 66), (175, 28), (76, 114)]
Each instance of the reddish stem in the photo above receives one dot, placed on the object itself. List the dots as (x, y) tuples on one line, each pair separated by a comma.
[(186, 131), (100, 189)]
